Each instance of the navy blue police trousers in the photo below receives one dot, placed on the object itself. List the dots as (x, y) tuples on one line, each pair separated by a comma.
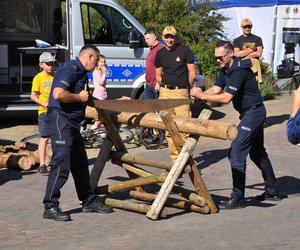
[(250, 140), (68, 155)]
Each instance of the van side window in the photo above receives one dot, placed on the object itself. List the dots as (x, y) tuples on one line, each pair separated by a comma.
[(96, 24), (104, 25)]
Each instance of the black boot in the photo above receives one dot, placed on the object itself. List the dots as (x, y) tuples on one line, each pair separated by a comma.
[(55, 213), (231, 204), (96, 206)]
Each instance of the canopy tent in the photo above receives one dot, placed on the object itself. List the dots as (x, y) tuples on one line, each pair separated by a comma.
[(252, 3)]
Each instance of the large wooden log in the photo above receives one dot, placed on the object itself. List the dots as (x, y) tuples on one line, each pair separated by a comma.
[(187, 194), (170, 202), (133, 159), (192, 126), (126, 205), (19, 162), (138, 182), (35, 155)]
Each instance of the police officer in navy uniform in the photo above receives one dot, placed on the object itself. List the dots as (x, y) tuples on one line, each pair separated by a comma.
[(241, 88), (66, 108)]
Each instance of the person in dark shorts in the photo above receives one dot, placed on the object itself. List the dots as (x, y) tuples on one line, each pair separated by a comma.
[(40, 91)]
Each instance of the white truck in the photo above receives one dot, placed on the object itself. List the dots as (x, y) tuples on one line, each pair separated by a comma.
[(67, 25)]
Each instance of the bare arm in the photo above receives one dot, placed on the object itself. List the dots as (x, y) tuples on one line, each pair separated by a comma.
[(218, 98), (35, 97), (256, 54), (213, 90), (248, 53), (65, 96), (192, 74), (296, 102), (158, 75)]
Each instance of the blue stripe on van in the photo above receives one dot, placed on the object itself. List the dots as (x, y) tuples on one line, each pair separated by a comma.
[(118, 72)]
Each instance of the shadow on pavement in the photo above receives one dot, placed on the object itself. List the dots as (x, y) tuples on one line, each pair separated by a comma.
[(273, 120), (210, 157), (7, 175)]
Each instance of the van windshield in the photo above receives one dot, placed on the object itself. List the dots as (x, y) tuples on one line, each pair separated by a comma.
[(21, 16)]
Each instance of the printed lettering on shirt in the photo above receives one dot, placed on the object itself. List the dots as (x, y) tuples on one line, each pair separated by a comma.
[(177, 59), (60, 142), (233, 88), (245, 128)]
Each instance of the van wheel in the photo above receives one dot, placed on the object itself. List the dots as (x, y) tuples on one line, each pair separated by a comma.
[(140, 94)]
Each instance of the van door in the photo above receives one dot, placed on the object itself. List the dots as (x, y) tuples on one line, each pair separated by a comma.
[(109, 29)]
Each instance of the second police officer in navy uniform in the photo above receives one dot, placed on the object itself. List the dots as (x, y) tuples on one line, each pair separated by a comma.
[(66, 109), (241, 88)]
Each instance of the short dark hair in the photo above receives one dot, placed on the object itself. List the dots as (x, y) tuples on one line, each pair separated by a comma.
[(225, 44), (149, 32), (88, 47)]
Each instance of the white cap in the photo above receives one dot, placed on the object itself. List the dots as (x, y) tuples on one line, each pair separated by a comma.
[(46, 57)]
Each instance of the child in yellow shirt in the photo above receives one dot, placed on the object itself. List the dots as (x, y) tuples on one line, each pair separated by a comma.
[(41, 86)]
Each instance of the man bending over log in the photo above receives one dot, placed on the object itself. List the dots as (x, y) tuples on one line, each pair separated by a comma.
[(241, 88)]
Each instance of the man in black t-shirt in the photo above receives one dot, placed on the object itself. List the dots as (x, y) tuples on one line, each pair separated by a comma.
[(249, 46), (241, 88), (175, 73)]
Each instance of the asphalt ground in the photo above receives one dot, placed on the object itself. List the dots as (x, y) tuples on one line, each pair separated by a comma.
[(260, 225)]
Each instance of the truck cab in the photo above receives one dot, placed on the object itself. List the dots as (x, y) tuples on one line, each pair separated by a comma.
[(67, 25)]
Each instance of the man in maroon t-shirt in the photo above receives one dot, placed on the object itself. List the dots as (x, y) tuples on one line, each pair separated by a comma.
[(151, 87)]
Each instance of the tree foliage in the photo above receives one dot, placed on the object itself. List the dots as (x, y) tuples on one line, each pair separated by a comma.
[(198, 29)]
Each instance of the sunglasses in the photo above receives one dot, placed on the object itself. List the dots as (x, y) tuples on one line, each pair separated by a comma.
[(49, 63), (221, 58), (169, 36), (247, 27)]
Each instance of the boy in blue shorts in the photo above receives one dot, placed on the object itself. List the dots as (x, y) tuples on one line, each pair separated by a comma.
[(41, 86)]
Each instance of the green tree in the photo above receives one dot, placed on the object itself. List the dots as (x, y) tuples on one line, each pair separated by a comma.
[(199, 29)]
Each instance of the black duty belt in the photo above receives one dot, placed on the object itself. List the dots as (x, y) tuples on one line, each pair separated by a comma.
[(173, 87)]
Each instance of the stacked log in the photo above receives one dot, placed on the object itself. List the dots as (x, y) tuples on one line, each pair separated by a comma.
[(18, 157)]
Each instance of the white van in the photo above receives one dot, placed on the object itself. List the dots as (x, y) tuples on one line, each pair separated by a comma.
[(67, 25)]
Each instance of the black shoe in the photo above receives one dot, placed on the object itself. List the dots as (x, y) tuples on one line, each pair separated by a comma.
[(231, 204), (271, 197), (55, 213), (97, 206)]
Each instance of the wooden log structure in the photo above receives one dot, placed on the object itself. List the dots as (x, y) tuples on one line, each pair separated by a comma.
[(187, 194), (136, 207), (192, 126), (138, 182), (170, 202)]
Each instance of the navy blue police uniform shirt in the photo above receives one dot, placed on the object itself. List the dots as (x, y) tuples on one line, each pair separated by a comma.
[(239, 80), (72, 77)]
